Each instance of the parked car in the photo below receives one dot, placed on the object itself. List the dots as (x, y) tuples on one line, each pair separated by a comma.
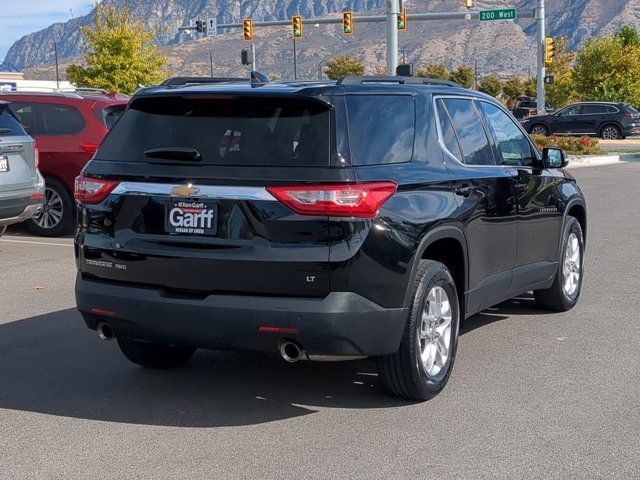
[(21, 185), (68, 126), (527, 107), (364, 217), (607, 120)]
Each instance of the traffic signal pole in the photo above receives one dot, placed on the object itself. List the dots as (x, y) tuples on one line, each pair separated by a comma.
[(542, 69), (393, 10)]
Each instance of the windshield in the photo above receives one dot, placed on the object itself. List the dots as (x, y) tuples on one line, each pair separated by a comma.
[(223, 130)]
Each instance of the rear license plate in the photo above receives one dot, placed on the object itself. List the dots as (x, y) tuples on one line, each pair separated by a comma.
[(191, 218), (4, 164)]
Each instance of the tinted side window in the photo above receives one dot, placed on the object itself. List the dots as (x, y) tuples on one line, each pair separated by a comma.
[(594, 109), (612, 109), (513, 147), (26, 113), (381, 128), (468, 126), (573, 110), (448, 134), (9, 126), (60, 119)]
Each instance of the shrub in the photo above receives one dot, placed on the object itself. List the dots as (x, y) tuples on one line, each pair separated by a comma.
[(572, 145)]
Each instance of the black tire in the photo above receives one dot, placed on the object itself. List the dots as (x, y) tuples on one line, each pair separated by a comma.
[(540, 126), (556, 298), (613, 128), (154, 355), (66, 223), (403, 372)]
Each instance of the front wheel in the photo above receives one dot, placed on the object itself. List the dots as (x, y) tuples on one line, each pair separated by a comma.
[(420, 369), (565, 291), (154, 355)]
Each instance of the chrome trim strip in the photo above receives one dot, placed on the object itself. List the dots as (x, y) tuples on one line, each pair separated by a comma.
[(199, 191)]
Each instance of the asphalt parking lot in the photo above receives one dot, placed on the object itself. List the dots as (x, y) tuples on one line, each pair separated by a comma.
[(533, 394)]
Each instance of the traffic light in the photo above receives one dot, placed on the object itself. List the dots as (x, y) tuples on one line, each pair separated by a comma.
[(199, 26), (467, 3), (247, 29), (347, 23), (550, 50), (296, 24), (402, 20)]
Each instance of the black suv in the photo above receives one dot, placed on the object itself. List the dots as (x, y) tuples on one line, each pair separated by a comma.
[(610, 121), (364, 217)]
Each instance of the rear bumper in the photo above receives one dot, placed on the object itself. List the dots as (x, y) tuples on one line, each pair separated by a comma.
[(16, 210), (341, 324), (631, 131)]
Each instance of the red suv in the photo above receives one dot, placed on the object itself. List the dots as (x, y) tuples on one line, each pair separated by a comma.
[(69, 126)]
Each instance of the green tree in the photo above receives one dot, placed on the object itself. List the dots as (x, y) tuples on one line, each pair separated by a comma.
[(491, 86), (629, 36), (608, 69), (343, 66), (462, 75), (513, 88), (436, 70), (531, 87), (120, 55), (562, 92)]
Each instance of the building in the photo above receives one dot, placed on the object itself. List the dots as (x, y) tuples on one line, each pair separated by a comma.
[(13, 79)]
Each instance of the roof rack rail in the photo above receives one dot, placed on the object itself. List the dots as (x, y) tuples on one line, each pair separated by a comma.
[(363, 80), (183, 81)]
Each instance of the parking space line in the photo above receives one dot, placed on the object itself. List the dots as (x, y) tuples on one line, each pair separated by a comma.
[(36, 243)]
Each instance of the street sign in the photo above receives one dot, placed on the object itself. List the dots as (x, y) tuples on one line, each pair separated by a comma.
[(212, 27), (501, 14)]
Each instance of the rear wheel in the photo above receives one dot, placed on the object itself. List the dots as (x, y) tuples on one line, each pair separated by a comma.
[(420, 369), (565, 291), (57, 215), (539, 130), (154, 355), (610, 132)]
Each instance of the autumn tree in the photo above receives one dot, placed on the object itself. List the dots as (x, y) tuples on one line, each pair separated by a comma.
[(608, 68), (120, 55), (436, 70), (562, 92), (462, 75), (531, 87), (343, 66), (512, 89), (491, 85)]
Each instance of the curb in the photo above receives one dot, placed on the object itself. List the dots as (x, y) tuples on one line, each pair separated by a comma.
[(576, 161)]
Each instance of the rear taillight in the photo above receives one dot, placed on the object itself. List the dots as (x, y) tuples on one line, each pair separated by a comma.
[(90, 148), (36, 149), (361, 200), (93, 190)]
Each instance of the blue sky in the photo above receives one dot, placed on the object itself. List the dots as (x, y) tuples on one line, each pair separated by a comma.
[(20, 17)]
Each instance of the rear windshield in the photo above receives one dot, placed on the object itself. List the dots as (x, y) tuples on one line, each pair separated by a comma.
[(9, 126), (224, 130), (111, 114)]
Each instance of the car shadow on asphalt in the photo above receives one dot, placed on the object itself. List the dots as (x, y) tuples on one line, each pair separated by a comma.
[(52, 364)]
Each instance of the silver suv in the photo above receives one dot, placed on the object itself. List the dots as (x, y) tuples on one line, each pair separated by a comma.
[(21, 185)]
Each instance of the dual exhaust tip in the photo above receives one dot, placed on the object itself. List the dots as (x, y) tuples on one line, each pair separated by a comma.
[(105, 331)]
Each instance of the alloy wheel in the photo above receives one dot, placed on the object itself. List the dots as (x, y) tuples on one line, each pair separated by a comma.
[(610, 133), (52, 210), (571, 266), (434, 337), (539, 130)]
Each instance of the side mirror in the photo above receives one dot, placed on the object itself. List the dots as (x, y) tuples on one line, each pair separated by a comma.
[(554, 158)]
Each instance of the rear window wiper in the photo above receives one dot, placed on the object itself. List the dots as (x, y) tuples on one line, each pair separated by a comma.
[(174, 153)]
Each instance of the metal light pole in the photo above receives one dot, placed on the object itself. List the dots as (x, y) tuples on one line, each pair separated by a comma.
[(254, 67), (393, 10), (322, 62), (55, 52), (542, 71), (295, 60), (211, 63)]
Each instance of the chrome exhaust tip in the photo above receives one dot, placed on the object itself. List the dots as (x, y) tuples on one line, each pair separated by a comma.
[(105, 331), (291, 352)]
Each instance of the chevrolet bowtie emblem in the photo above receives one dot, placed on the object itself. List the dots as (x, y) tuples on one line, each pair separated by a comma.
[(185, 191)]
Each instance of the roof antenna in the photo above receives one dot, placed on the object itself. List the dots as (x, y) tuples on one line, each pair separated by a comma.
[(258, 79)]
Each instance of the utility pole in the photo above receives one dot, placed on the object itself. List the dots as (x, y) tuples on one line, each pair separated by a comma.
[(542, 71), (55, 52), (393, 10)]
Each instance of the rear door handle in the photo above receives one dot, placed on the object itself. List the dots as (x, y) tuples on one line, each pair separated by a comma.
[(463, 191)]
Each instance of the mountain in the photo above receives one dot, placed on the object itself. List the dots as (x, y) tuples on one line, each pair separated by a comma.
[(498, 47)]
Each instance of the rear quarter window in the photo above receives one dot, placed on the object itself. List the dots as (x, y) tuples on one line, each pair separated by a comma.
[(60, 119), (381, 128)]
